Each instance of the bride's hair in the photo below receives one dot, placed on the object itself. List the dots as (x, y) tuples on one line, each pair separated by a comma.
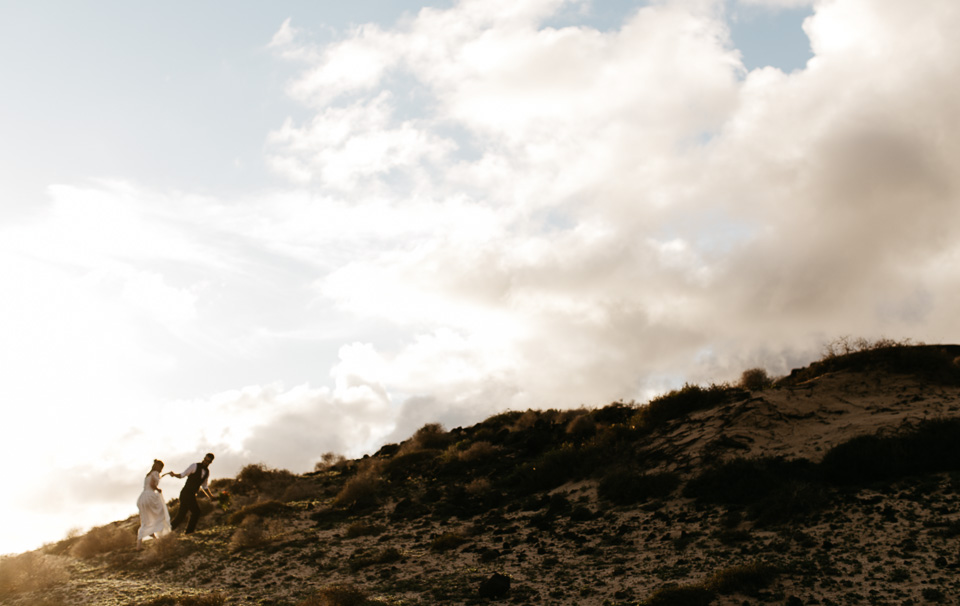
[(157, 465)]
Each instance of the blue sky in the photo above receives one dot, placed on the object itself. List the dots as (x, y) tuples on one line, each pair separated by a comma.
[(174, 97), (274, 230)]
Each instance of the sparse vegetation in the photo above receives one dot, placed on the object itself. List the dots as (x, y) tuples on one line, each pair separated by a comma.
[(329, 460), (252, 532), (30, 571), (103, 539), (362, 490), (263, 480), (755, 379), (581, 503), (680, 402), (626, 486), (930, 446)]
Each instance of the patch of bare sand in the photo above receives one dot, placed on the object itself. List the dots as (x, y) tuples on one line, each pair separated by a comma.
[(805, 421)]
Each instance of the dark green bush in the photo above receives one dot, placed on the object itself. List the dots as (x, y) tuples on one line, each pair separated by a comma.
[(747, 481), (551, 469), (258, 477), (417, 463), (755, 379), (680, 402), (930, 446), (933, 363)]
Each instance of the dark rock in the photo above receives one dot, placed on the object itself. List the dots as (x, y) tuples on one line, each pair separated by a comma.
[(495, 587)]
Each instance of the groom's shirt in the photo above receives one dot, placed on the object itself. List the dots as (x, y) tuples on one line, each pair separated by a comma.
[(193, 469)]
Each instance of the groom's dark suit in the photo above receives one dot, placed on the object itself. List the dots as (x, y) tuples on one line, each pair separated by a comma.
[(188, 497)]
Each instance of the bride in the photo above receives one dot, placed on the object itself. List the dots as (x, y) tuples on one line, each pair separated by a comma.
[(154, 517)]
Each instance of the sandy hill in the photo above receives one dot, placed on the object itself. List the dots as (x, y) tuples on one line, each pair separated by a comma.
[(835, 485)]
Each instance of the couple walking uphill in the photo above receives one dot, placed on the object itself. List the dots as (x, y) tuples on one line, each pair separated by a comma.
[(154, 516)]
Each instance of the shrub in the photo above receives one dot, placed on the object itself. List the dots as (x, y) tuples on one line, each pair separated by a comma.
[(746, 481), (625, 486), (477, 451), (328, 460), (431, 436), (933, 363), (553, 468), (526, 420), (615, 413), (755, 379), (676, 595), (930, 446), (478, 487), (411, 464), (261, 478), (102, 540), (581, 426), (362, 490), (167, 550), (343, 594), (678, 403), (251, 533), (30, 571)]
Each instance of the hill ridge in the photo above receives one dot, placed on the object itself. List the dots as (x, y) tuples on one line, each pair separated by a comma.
[(802, 492)]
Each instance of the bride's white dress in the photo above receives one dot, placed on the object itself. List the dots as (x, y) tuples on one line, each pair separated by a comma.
[(154, 517)]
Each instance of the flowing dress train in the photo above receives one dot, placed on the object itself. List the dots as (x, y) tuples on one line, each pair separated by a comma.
[(154, 517)]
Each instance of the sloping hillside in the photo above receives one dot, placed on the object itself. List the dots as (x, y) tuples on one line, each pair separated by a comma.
[(836, 485)]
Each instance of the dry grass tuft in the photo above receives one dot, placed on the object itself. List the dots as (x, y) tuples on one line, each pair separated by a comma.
[(363, 489), (329, 460), (477, 452), (31, 571), (253, 532), (167, 550), (103, 539)]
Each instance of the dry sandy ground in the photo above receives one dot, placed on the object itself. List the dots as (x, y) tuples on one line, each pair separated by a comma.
[(896, 544)]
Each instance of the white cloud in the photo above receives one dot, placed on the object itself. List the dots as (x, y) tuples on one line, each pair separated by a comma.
[(647, 186)]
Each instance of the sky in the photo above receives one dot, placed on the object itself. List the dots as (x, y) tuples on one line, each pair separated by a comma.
[(276, 230)]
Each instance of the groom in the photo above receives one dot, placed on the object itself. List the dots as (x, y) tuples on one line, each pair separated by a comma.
[(197, 475)]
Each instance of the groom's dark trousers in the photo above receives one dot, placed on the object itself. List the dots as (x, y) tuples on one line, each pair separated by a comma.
[(188, 504)]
